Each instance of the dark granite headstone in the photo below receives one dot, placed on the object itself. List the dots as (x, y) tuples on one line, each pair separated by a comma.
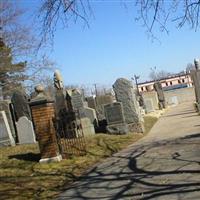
[(114, 113), (20, 104), (115, 118), (77, 102)]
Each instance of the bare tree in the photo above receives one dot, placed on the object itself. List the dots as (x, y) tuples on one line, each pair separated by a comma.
[(158, 74), (53, 11), (189, 67), (162, 12), (22, 45), (153, 14)]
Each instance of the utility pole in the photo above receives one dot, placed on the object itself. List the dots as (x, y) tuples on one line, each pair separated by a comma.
[(136, 82)]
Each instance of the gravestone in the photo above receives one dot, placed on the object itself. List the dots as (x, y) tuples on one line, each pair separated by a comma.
[(115, 118), (87, 126), (160, 93), (5, 105), (195, 75), (91, 102), (124, 92), (77, 102), (149, 105), (153, 96), (91, 114), (102, 100), (20, 104), (26, 134), (6, 137)]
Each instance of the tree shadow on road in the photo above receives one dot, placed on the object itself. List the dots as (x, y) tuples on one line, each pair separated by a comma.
[(158, 170)]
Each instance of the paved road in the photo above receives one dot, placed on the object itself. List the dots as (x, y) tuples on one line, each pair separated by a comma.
[(163, 165)]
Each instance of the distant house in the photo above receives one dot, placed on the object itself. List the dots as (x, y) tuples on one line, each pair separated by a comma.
[(176, 81)]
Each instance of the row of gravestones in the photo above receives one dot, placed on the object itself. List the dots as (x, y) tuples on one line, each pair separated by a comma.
[(121, 114), (126, 114), (15, 121)]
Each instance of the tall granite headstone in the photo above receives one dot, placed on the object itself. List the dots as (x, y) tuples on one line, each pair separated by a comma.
[(87, 120), (20, 104), (160, 93), (124, 92), (77, 102)]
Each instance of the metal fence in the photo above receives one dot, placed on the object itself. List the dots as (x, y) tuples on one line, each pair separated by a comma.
[(70, 135)]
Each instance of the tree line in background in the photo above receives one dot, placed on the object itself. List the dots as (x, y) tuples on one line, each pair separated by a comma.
[(23, 60)]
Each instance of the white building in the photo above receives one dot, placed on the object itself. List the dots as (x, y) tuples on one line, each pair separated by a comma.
[(169, 83)]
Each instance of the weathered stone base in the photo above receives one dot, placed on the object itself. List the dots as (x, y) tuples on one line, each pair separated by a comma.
[(136, 127), (53, 159), (118, 129)]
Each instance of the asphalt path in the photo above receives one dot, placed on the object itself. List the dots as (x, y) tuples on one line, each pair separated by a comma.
[(165, 164)]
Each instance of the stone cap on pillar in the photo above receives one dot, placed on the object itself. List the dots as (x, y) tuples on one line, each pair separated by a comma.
[(41, 97)]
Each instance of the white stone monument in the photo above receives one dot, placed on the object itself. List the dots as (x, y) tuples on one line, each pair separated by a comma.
[(26, 134), (6, 137)]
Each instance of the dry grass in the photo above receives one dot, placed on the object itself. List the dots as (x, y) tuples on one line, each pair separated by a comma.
[(22, 177)]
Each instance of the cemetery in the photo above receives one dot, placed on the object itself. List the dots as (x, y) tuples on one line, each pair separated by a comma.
[(47, 139), (43, 136), (50, 141), (100, 113)]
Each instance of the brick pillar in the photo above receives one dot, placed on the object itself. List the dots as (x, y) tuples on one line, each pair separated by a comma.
[(42, 114)]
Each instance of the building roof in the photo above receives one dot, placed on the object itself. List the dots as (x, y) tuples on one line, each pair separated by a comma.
[(168, 77)]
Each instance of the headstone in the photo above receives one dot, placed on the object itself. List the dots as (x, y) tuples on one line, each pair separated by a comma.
[(195, 75), (173, 100), (77, 102), (91, 114), (149, 105), (104, 99), (6, 137), (153, 96), (5, 105), (26, 134), (20, 104), (91, 102), (58, 80), (114, 113), (160, 93), (125, 94), (115, 118), (87, 127)]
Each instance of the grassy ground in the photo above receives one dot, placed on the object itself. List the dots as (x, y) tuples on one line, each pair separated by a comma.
[(22, 177)]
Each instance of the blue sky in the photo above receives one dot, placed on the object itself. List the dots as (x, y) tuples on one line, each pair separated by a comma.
[(116, 46)]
